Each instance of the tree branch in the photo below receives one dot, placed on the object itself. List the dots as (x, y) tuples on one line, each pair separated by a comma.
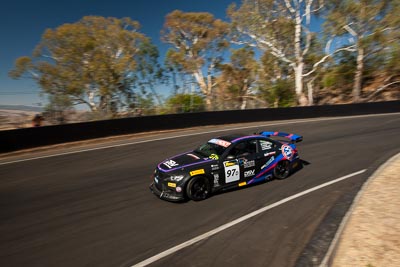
[(308, 41), (53, 58), (322, 60), (274, 50), (350, 30), (289, 7), (34, 74), (380, 89), (79, 100), (321, 6), (308, 12)]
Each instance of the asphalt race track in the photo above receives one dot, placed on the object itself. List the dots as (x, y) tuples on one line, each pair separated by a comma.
[(93, 208)]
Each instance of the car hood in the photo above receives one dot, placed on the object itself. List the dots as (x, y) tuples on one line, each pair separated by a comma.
[(182, 161)]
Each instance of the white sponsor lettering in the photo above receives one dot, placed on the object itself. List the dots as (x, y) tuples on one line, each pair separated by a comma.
[(214, 167), (268, 162), (269, 154), (249, 173), (170, 164), (249, 163), (265, 145), (220, 142), (216, 179)]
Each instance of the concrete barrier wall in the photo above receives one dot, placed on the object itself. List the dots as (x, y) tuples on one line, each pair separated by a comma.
[(12, 140)]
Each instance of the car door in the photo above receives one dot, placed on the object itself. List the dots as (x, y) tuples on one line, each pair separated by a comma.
[(249, 162), (268, 152), (240, 163)]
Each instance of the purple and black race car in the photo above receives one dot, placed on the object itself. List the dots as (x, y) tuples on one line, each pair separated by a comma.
[(226, 162)]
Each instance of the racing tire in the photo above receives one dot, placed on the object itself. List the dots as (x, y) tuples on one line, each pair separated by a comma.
[(198, 188), (282, 170)]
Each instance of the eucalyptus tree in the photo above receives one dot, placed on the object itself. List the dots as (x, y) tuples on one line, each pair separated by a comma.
[(365, 25), (92, 62), (237, 78), (148, 71), (275, 82), (391, 52), (183, 103), (198, 41), (282, 28)]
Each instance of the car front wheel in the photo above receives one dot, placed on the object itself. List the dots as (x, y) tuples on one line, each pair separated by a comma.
[(198, 188)]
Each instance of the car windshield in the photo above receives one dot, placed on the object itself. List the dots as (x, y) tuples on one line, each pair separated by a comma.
[(212, 147)]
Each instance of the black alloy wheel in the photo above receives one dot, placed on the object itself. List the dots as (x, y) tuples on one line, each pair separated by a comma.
[(198, 188), (282, 170)]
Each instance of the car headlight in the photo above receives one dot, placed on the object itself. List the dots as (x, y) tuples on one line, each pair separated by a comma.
[(176, 178)]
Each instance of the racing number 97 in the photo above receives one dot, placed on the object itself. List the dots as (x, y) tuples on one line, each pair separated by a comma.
[(231, 172)]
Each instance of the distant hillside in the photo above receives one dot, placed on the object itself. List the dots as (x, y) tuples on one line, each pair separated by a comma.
[(21, 107)]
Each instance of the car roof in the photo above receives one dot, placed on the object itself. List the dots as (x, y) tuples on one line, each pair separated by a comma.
[(233, 137)]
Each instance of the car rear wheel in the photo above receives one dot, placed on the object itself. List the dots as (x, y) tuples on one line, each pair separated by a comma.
[(198, 188), (282, 169)]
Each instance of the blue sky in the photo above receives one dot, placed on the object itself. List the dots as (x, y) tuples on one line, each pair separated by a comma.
[(23, 22)]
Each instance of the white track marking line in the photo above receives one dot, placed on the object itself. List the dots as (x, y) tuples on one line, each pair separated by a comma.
[(193, 134), (239, 220)]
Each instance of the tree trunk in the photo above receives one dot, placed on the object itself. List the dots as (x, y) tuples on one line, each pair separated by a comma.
[(204, 87), (299, 68), (244, 95), (310, 93), (244, 103), (91, 101), (358, 76), (301, 98)]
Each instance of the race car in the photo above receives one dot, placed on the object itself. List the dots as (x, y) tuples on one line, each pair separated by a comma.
[(226, 162)]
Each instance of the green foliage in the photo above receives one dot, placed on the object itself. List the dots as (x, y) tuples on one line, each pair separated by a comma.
[(182, 103), (364, 17), (236, 78), (198, 41), (367, 24), (108, 65), (149, 72), (96, 61), (144, 105), (339, 75), (392, 59), (22, 65), (268, 20), (55, 110), (279, 94), (282, 29)]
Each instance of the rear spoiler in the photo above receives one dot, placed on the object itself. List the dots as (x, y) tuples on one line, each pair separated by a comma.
[(292, 137)]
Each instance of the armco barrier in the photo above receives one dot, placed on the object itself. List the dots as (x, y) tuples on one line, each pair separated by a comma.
[(12, 140)]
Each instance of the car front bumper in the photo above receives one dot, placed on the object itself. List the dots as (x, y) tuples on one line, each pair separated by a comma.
[(167, 194)]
